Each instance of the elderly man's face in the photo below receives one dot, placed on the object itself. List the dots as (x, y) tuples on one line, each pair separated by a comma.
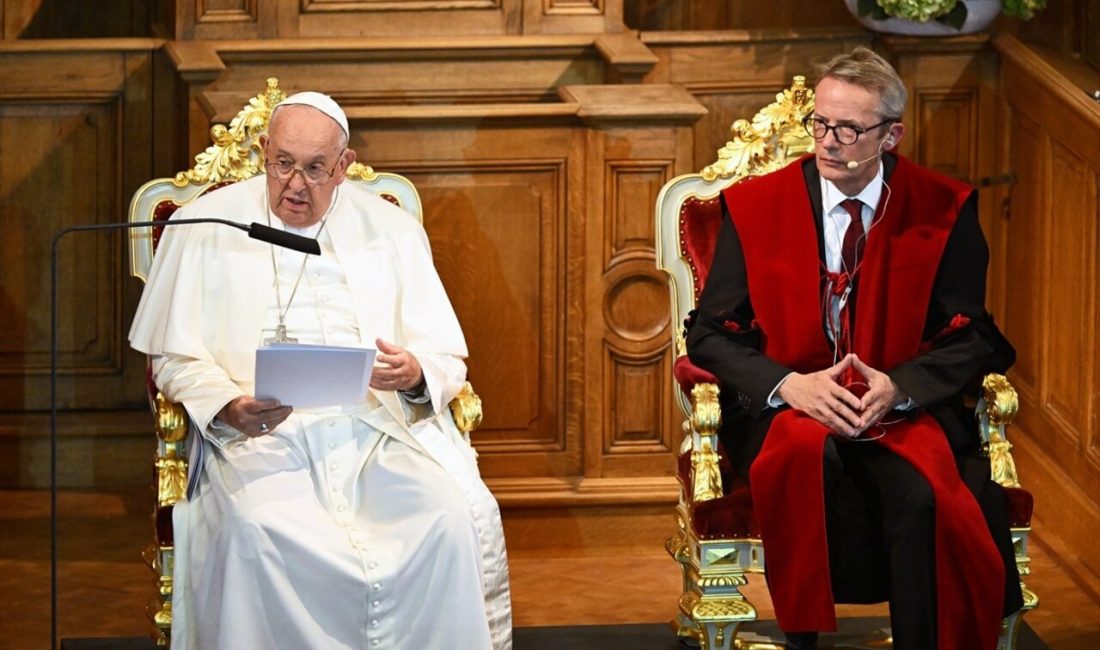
[(304, 137), (839, 102)]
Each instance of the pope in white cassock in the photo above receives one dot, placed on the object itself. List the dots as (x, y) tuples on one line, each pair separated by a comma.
[(356, 526)]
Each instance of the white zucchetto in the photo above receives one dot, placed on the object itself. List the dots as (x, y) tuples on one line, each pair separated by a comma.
[(321, 102)]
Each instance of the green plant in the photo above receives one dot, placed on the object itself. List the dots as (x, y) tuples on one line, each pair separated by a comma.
[(948, 12)]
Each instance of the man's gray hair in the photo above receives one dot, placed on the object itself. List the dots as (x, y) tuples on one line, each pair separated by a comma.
[(862, 67)]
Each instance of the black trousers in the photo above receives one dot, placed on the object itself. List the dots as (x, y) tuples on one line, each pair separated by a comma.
[(881, 526)]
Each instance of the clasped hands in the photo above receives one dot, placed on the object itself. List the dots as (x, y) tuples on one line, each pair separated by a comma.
[(395, 369), (821, 396)]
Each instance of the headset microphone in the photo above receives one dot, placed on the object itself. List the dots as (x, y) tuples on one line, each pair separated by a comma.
[(852, 164)]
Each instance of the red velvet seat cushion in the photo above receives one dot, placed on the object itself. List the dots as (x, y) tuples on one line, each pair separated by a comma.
[(1020, 503), (688, 374), (727, 517)]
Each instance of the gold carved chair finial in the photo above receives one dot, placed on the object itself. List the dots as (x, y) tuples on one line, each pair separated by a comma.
[(235, 153), (774, 137)]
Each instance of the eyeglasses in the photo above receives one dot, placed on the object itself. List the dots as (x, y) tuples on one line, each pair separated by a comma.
[(818, 128), (315, 174)]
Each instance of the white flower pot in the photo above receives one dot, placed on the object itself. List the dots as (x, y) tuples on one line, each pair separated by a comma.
[(980, 14)]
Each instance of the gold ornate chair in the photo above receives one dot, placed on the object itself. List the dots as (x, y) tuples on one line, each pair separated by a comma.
[(716, 542), (234, 155)]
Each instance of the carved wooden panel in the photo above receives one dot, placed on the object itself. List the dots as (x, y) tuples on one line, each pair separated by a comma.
[(317, 6), (572, 16), (573, 7), (637, 402), (640, 416), (735, 14), (404, 74), (75, 127), (64, 164), (1025, 321), (633, 192), (496, 236), (1052, 298), (226, 11), (66, 152), (504, 238), (326, 19), (37, 19), (946, 130), (1072, 294)]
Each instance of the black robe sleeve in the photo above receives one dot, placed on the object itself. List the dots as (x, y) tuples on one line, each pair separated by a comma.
[(722, 336), (960, 352)]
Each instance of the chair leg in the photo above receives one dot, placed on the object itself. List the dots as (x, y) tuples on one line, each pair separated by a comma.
[(1011, 627), (717, 619), (687, 631)]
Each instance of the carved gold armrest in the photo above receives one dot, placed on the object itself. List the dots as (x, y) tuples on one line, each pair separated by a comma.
[(466, 410), (706, 416), (996, 409), (171, 424)]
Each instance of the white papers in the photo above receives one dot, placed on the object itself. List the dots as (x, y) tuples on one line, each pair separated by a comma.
[(309, 376)]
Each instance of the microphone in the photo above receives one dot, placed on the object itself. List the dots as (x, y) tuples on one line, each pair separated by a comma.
[(255, 231), (281, 238), (852, 164)]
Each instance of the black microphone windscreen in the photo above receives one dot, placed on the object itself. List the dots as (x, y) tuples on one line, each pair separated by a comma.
[(284, 239)]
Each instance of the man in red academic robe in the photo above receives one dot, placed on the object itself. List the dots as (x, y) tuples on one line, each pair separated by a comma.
[(844, 316)]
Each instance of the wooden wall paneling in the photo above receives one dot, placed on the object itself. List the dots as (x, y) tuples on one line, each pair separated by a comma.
[(328, 18), (637, 140), (412, 73), (1026, 321), (35, 19), (75, 122), (951, 117), (687, 15), (325, 19), (734, 74), (501, 223), (950, 83), (572, 16), (1090, 33), (1053, 300), (207, 19), (1072, 306)]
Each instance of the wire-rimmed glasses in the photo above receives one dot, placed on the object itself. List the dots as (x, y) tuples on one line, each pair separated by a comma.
[(313, 174)]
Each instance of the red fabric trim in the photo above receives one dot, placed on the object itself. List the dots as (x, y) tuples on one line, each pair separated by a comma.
[(799, 581), (971, 576), (958, 322), (786, 480), (894, 287)]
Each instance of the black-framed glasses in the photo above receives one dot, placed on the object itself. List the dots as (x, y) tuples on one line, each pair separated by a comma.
[(818, 128), (314, 174)]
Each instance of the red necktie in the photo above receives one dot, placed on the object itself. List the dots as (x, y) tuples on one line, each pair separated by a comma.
[(853, 237)]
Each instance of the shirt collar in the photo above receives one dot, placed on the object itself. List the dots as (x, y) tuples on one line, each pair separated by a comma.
[(831, 196)]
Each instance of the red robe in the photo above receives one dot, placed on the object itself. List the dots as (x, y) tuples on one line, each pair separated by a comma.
[(903, 252)]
